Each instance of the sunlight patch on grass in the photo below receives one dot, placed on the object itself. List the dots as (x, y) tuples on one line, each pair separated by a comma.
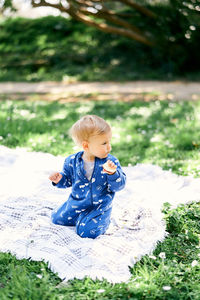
[(59, 115), (86, 108), (141, 111)]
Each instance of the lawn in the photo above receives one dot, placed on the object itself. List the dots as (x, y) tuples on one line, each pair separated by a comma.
[(165, 133)]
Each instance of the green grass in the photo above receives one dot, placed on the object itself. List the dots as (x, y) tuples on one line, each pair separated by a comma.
[(159, 132)]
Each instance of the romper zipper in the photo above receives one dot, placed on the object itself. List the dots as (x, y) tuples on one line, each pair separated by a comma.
[(91, 180), (90, 184)]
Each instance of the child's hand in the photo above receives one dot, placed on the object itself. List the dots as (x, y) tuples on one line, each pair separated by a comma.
[(109, 167), (55, 177)]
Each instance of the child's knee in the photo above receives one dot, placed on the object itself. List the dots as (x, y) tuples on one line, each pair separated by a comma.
[(60, 220), (91, 228), (56, 219), (88, 232)]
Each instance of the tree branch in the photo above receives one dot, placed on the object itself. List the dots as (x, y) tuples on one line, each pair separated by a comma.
[(128, 31), (110, 29), (143, 10), (47, 4), (111, 17)]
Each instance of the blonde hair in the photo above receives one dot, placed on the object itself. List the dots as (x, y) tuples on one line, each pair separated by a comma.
[(88, 126)]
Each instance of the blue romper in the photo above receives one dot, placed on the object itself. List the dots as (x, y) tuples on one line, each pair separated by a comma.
[(90, 202)]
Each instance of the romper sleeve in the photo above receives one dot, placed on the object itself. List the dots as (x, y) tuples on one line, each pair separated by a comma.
[(116, 181), (66, 180)]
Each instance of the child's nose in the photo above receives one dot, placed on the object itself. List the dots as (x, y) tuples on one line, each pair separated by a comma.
[(109, 148)]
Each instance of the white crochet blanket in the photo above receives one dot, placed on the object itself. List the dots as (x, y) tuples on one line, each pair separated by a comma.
[(27, 199)]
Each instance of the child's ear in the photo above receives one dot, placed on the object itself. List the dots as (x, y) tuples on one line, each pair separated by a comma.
[(85, 145)]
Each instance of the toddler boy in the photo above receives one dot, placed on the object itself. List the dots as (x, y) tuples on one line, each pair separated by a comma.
[(93, 187)]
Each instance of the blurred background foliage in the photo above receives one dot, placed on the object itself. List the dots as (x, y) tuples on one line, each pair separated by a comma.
[(58, 48)]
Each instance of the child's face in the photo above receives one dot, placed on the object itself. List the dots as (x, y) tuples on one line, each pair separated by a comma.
[(99, 145)]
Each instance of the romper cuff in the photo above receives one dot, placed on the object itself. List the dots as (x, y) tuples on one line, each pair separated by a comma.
[(113, 176)]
